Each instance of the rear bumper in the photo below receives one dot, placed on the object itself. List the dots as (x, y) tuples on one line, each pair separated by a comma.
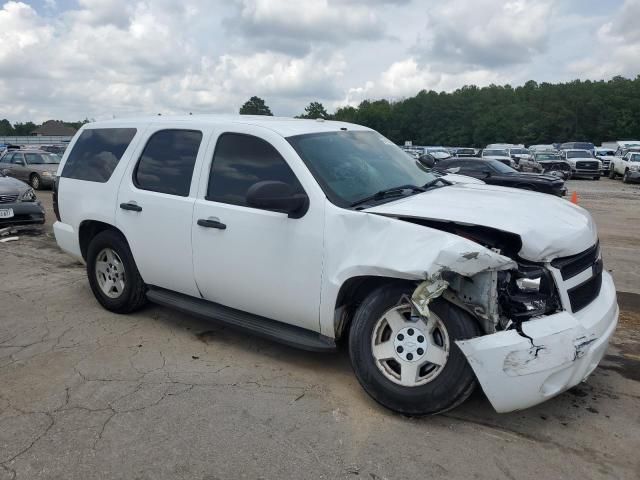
[(24, 213), (67, 239), (567, 347)]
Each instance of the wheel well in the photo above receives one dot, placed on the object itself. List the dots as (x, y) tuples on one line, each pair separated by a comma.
[(352, 293), (88, 230)]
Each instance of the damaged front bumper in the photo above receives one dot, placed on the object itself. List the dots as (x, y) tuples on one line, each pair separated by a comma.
[(517, 372)]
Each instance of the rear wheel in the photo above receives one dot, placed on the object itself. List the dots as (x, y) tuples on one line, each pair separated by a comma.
[(411, 365), (113, 275), (597, 178), (34, 181)]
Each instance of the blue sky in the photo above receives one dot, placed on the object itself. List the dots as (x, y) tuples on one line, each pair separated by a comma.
[(72, 59)]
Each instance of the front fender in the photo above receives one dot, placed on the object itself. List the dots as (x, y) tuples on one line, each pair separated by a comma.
[(366, 244)]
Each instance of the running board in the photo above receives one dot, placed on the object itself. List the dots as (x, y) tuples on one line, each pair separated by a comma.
[(261, 326)]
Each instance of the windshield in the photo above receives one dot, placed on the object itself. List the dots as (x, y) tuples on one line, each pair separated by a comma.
[(519, 151), (579, 154), (353, 165), (42, 158), (547, 156), (495, 153)]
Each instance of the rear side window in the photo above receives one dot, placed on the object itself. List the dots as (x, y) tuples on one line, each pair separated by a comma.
[(241, 161), (96, 153), (166, 164)]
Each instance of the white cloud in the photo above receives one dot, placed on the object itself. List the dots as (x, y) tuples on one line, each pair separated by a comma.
[(99, 58)]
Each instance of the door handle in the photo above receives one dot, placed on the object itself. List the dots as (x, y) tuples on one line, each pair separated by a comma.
[(131, 206), (210, 223)]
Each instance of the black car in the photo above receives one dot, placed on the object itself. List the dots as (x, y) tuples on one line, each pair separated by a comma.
[(18, 203), (465, 152), (495, 172)]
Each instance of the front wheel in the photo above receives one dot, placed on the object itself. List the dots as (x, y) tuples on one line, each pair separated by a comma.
[(113, 275), (597, 178), (35, 181), (625, 178), (612, 173), (411, 365)]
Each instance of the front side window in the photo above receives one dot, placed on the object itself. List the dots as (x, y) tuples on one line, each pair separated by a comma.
[(96, 153), (18, 159), (353, 165), (635, 157), (241, 161), (167, 162)]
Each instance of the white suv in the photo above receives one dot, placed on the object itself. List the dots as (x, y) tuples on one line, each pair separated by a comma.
[(308, 232)]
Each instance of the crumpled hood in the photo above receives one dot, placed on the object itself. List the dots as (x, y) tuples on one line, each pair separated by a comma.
[(548, 226)]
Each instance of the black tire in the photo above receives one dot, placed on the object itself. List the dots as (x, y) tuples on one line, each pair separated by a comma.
[(133, 296), (625, 177), (597, 178), (449, 389), (35, 181), (612, 173)]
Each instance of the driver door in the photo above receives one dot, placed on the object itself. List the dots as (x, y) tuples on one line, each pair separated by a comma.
[(254, 260)]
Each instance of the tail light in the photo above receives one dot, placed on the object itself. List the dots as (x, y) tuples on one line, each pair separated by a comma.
[(56, 211)]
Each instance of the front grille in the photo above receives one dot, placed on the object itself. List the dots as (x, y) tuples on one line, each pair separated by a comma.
[(585, 293), (8, 198), (587, 165), (571, 266)]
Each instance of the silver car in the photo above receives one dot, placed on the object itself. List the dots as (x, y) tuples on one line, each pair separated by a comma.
[(35, 167)]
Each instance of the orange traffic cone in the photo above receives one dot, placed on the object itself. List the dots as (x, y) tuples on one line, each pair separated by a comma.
[(574, 197)]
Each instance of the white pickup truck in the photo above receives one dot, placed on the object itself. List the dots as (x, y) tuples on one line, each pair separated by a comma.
[(627, 166)]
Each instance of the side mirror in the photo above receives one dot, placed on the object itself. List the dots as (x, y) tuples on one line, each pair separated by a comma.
[(427, 160), (486, 173), (279, 197)]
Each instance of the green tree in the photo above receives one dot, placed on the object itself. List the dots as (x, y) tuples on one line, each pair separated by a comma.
[(255, 106), (6, 129), (23, 129), (314, 110)]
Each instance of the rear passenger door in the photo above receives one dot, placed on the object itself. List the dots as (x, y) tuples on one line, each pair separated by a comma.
[(258, 261), (155, 205), (18, 167)]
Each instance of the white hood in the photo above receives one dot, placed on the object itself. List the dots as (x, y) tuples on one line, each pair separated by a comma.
[(548, 226)]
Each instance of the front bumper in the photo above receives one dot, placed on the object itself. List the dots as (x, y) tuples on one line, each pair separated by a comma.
[(584, 173), (567, 347), (633, 176), (24, 213)]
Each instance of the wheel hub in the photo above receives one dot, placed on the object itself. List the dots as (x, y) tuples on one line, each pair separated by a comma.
[(410, 344)]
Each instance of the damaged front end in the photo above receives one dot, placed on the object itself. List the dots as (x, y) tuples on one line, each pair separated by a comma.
[(533, 346)]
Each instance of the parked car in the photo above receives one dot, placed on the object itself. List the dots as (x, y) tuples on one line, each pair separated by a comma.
[(35, 167), (439, 153), (520, 155), (628, 166), (465, 152), (309, 232), (578, 146), (552, 164), (499, 155), (583, 164), (18, 203), (57, 149), (494, 172), (605, 155), (542, 148)]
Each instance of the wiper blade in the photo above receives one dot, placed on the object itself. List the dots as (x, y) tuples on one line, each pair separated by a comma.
[(387, 193), (433, 182)]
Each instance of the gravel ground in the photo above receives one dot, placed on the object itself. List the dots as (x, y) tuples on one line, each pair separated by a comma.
[(86, 394)]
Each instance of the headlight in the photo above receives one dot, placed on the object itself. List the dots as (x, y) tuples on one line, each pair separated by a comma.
[(529, 285), (28, 196), (634, 168), (47, 174)]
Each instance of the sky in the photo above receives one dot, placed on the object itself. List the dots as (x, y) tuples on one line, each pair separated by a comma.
[(99, 59)]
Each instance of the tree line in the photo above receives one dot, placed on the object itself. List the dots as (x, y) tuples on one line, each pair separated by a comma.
[(533, 113), (24, 129)]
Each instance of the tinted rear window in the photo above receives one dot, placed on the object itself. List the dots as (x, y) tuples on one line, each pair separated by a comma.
[(96, 153)]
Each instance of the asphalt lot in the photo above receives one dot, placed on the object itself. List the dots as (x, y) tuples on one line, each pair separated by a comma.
[(86, 394)]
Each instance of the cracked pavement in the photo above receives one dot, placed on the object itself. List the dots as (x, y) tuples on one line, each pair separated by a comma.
[(86, 394)]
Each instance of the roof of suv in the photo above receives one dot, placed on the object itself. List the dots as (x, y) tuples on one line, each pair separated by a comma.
[(284, 126)]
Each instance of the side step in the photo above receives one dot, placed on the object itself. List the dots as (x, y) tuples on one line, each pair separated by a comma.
[(261, 326)]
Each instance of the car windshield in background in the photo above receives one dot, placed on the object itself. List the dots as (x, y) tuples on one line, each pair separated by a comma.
[(495, 153), (42, 158), (579, 154), (501, 167), (547, 156), (519, 151), (351, 166)]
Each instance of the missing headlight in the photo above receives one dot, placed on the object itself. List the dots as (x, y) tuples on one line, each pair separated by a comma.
[(528, 292)]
